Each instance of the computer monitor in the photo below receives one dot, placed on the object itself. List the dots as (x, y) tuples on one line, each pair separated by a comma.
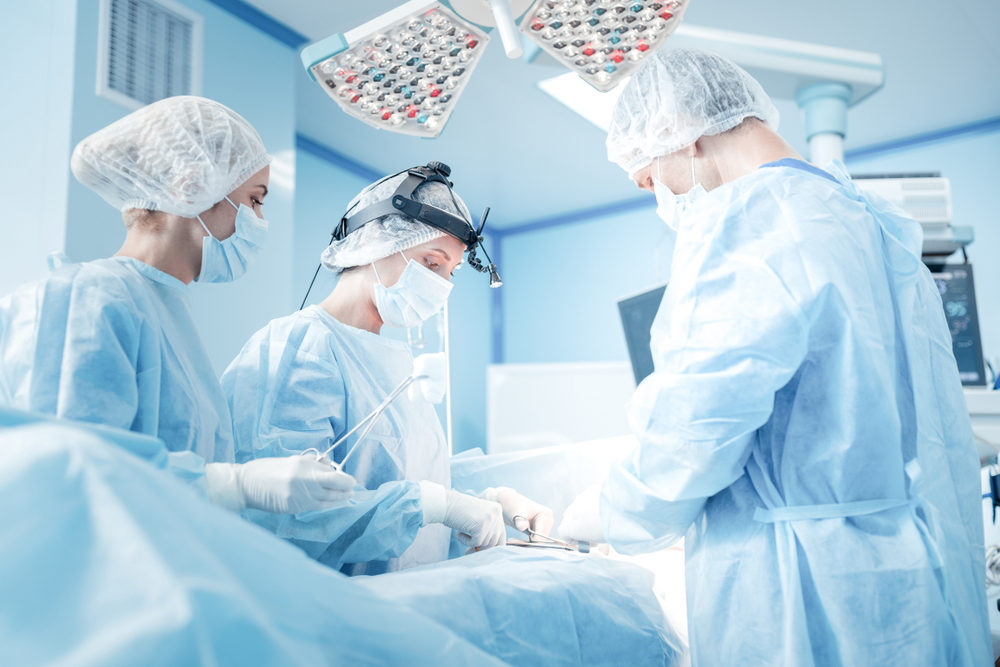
[(637, 314), (958, 295)]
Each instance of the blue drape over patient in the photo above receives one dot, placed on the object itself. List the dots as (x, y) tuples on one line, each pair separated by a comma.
[(120, 563), (805, 427)]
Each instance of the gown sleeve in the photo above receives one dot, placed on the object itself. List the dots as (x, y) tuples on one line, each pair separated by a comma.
[(372, 525), (88, 353), (284, 398)]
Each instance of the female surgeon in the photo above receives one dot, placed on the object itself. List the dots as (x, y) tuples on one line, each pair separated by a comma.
[(112, 342), (306, 379)]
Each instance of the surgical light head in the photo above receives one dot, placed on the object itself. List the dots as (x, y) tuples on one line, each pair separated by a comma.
[(403, 71), (602, 41)]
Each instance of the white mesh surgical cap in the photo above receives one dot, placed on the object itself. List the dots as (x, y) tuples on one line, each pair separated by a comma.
[(675, 98), (181, 155), (390, 234)]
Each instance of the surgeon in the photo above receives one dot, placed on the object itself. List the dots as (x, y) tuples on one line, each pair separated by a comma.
[(305, 380), (112, 342), (804, 428)]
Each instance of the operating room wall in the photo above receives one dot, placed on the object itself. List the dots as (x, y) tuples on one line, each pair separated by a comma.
[(561, 285), (322, 192), (35, 117), (249, 71)]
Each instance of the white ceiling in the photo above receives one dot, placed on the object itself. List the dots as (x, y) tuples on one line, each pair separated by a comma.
[(513, 147)]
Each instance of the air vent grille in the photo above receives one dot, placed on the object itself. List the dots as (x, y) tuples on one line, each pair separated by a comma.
[(148, 50)]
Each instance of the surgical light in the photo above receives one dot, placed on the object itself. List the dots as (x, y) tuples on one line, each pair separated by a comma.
[(602, 40), (403, 71)]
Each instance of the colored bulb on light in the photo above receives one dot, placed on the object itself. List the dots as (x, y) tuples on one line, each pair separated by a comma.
[(603, 32), (407, 72)]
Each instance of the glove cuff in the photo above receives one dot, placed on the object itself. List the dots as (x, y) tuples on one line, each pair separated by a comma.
[(433, 502), (223, 486)]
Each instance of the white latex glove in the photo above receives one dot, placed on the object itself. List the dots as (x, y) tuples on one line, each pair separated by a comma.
[(536, 517), (283, 485), (582, 519), (432, 387), (478, 522)]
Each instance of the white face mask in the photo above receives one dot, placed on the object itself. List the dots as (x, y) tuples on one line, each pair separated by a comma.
[(671, 207), (416, 296), (226, 260)]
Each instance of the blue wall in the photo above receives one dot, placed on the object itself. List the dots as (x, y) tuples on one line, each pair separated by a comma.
[(321, 196), (35, 121), (561, 285), (469, 308)]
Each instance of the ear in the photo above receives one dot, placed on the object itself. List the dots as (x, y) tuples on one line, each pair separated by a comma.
[(697, 149), (642, 178)]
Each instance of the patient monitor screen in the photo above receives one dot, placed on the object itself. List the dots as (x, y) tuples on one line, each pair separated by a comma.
[(637, 313), (958, 295)]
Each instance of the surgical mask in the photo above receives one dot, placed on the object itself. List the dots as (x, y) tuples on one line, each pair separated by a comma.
[(670, 207), (418, 294), (227, 260)]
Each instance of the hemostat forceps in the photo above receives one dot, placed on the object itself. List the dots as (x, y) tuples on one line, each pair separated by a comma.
[(367, 423), (542, 541)]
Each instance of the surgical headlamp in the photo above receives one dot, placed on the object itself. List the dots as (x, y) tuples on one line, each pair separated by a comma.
[(404, 70), (402, 203)]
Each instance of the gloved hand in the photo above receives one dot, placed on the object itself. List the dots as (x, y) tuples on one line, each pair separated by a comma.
[(478, 522), (283, 485), (536, 517), (582, 519)]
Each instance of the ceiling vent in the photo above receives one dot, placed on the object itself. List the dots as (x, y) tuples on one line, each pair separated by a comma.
[(148, 50)]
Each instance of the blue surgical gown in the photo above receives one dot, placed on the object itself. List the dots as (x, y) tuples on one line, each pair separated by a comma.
[(805, 428), (306, 379), (112, 342)]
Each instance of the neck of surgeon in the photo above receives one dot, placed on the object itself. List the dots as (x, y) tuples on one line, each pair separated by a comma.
[(351, 300), (164, 241), (741, 151)]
